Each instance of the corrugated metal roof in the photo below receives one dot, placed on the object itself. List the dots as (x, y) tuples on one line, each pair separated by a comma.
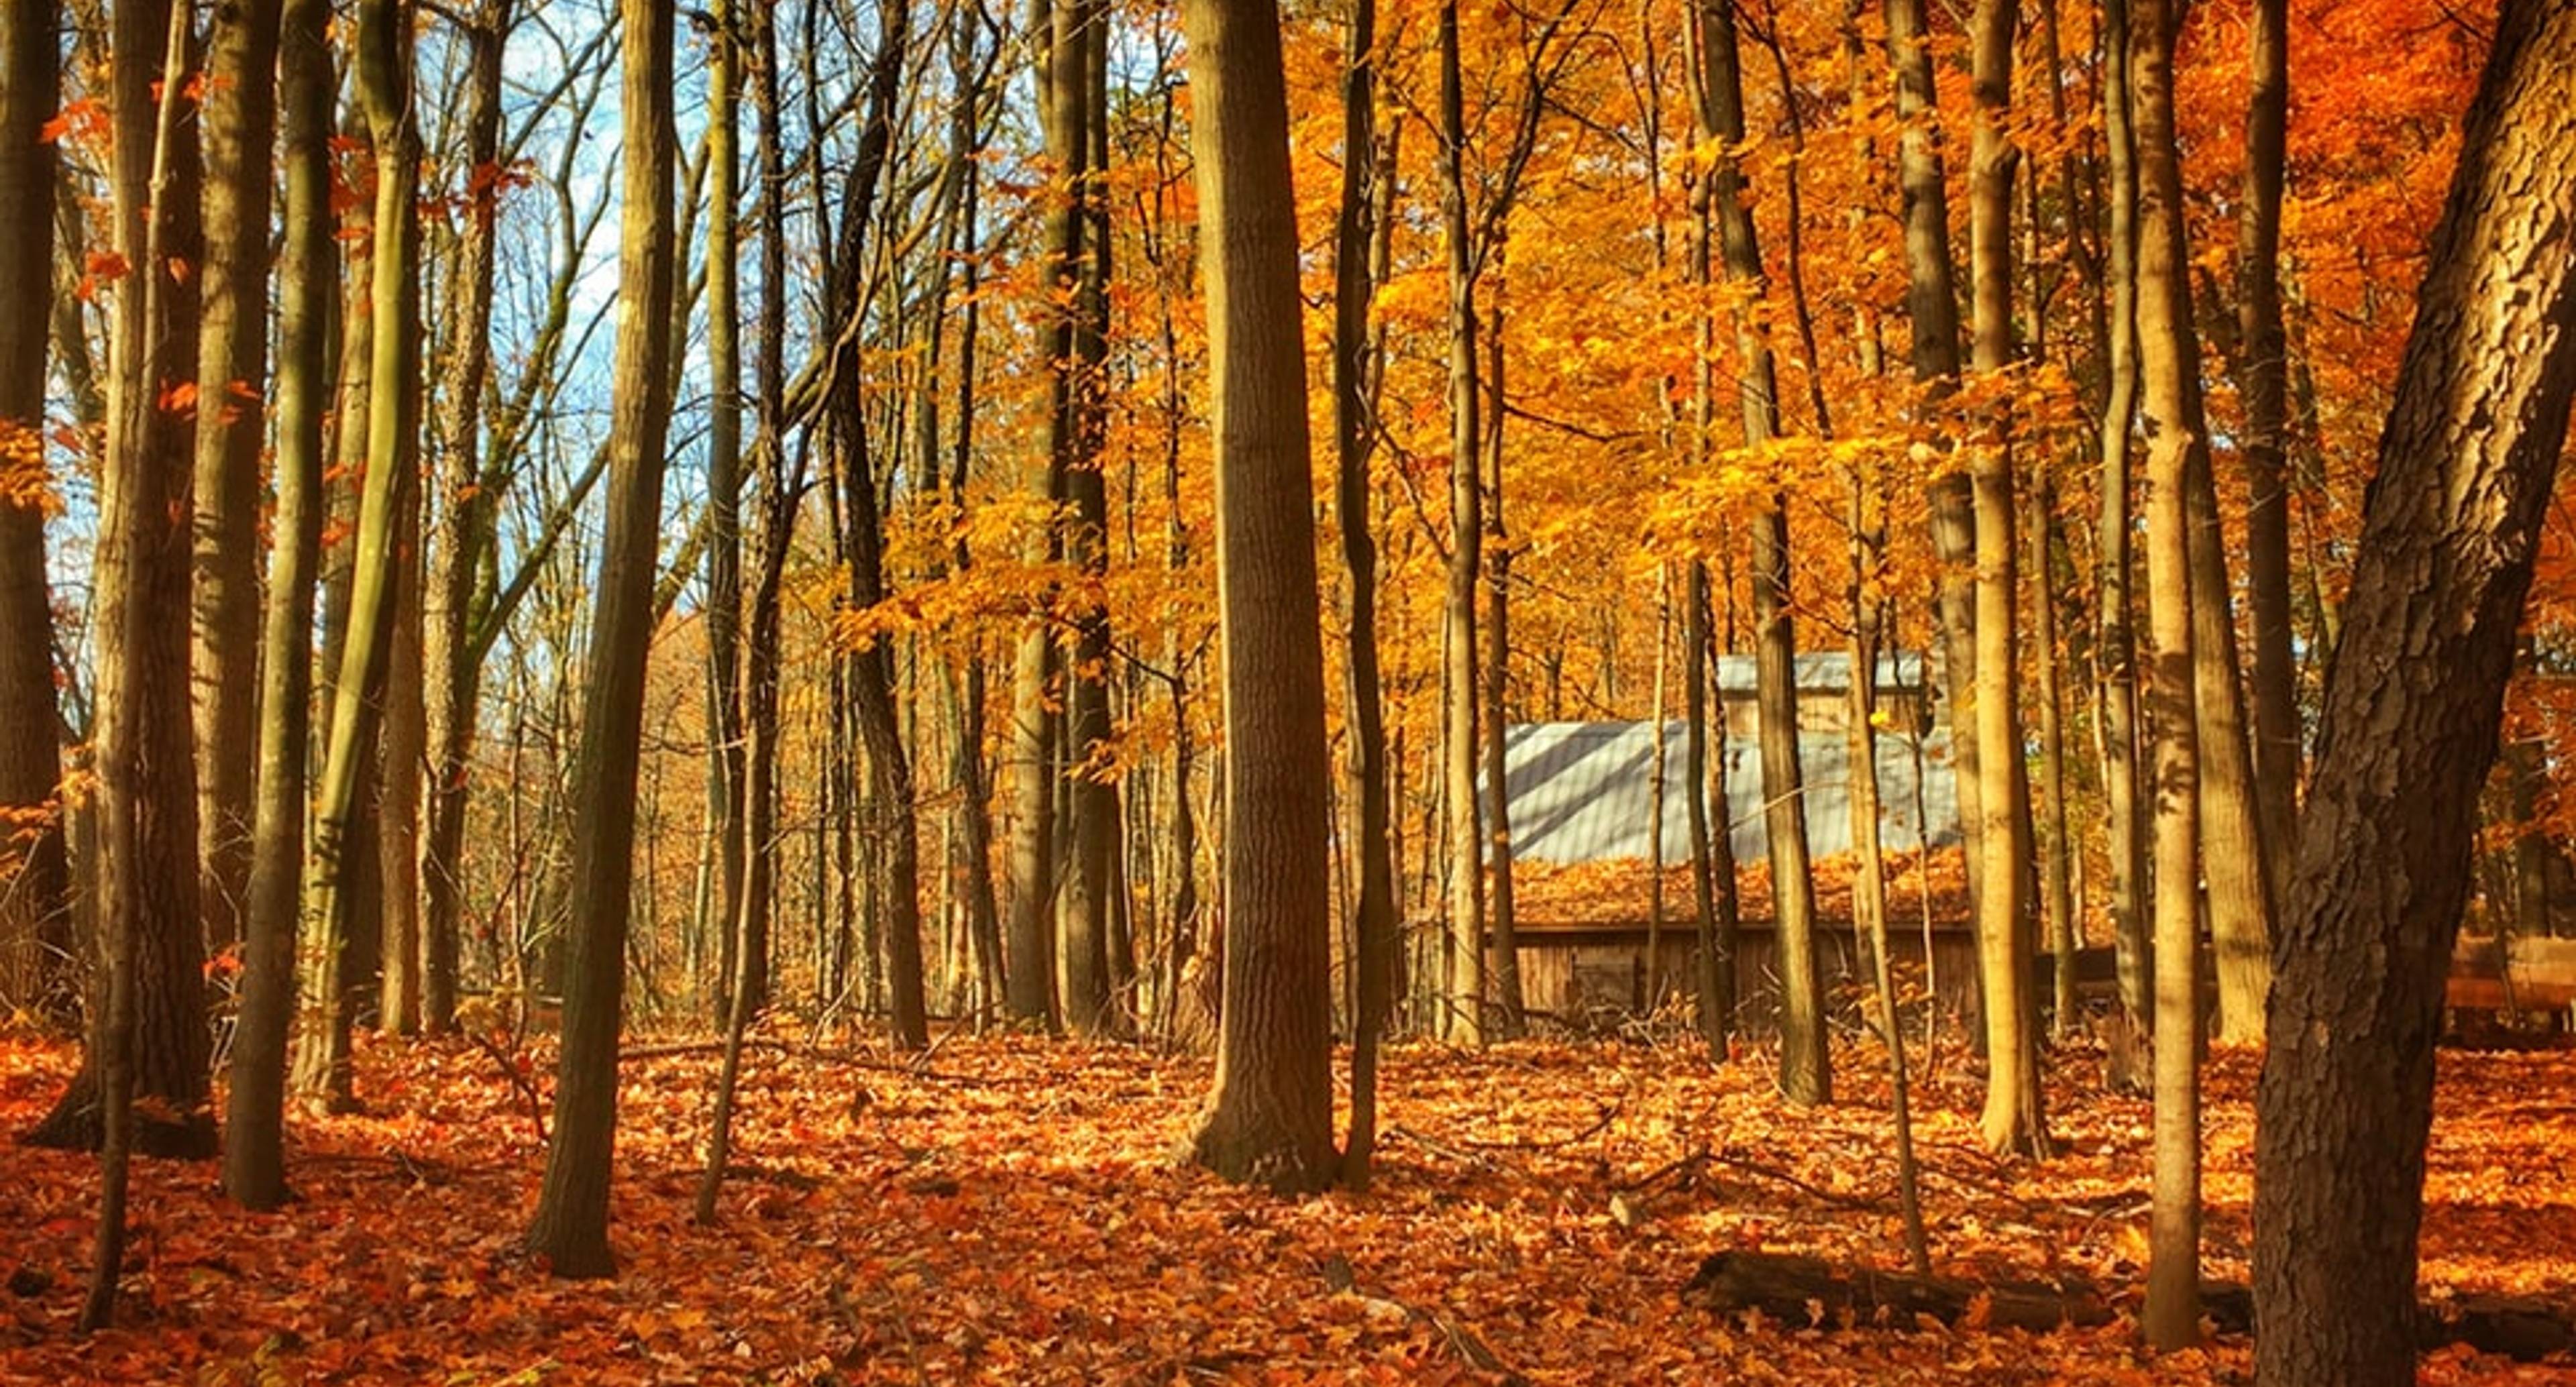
[(1582, 791), (1829, 671)]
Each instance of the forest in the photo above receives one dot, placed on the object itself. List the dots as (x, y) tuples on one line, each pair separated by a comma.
[(1481, 691)]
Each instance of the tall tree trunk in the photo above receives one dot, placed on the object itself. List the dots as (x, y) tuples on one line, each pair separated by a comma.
[(1806, 1076), (236, 121), (2013, 1120), (872, 668), (2265, 388), (2168, 364), (2412, 706), (405, 743), (1713, 894), (342, 831), (1465, 1022), (726, 755), (1505, 969), (149, 1041), (1932, 313), (467, 502), (2057, 855), (570, 1228), (35, 878), (254, 1147), (2233, 850), (1355, 377), (1075, 101), (1269, 1116), (2118, 730)]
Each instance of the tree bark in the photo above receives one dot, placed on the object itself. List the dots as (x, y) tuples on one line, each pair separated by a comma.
[(570, 1228), (1269, 1117), (35, 879), (2169, 361), (2118, 670), (2265, 388), (2412, 706), (1465, 1021), (254, 1149), (236, 120)]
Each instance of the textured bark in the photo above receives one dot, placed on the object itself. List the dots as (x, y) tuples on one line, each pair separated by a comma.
[(2169, 376), (1465, 1019), (570, 1228), (150, 1043), (1806, 1075), (2264, 385), (2233, 848), (401, 750), (235, 124), (466, 510), (1029, 857), (2012, 1120), (2412, 706), (1355, 377), (1495, 732), (35, 879), (2117, 669), (1075, 102), (343, 833), (254, 1146), (1932, 314), (1269, 1118)]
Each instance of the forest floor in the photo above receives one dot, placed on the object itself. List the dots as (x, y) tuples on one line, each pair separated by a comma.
[(1012, 1213)]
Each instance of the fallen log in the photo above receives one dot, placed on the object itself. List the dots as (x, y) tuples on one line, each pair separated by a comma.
[(1811, 1291)]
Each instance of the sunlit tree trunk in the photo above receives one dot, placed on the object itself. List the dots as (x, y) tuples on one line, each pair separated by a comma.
[(148, 1038), (254, 1157), (570, 1228), (2116, 642), (1932, 312), (2412, 706), (2012, 1121), (1806, 1075), (725, 751), (1465, 1020), (342, 831), (2265, 388), (1269, 1117), (2169, 376), (236, 121), (146, 793)]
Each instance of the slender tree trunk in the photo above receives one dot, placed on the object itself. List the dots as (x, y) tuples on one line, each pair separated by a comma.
[(35, 876), (726, 754), (1806, 1076), (1505, 969), (1932, 312), (1269, 1116), (570, 1228), (2013, 1120), (2412, 706), (1355, 377), (2056, 876), (343, 835), (1466, 1002), (1713, 897), (236, 121), (254, 1156), (2265, 387), (405, 743), (2169, 375), (2121, 792)]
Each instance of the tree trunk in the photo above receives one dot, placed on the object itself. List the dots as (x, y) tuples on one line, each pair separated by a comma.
[(1465, 1022), (2265, 388), (570, 1229), (254, 1149), (1806, 1076), (235, 123), (35, 879), (2118, 669), (405, 745), (1932, 314), (2412, 706), (726, 755), (2013, 1119), (1356, 368), (143, 1084), (1495, 731), (343, 835), (2168, 364), (1269, 1117)]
